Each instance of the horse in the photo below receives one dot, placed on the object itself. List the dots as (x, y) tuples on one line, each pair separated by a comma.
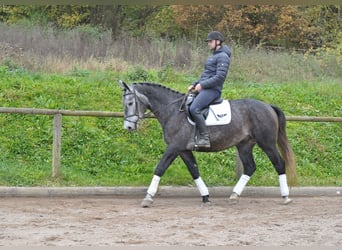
[(253, 122)]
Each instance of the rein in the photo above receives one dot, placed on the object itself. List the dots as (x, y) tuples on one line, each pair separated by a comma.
[(181, 109), (183, 98)]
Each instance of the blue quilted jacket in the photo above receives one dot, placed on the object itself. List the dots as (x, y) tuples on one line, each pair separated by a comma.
[(215, 69)]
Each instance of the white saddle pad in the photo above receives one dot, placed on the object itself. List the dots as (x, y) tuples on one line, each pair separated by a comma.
[(219, 114)]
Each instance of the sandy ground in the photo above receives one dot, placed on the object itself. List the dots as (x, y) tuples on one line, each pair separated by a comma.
[(309, 221)]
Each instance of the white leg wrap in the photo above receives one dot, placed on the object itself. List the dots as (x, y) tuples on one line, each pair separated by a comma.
[(241, 184), (152, 189), (284, 189), (201, 187)]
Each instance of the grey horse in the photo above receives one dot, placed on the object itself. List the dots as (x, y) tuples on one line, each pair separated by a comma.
[(253, 123)]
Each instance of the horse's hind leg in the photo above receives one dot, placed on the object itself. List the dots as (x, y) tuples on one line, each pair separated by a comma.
[(190, 162), (246, 155), (279, 165)]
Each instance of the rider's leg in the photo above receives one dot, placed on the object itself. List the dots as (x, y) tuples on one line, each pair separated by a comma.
[(202, 100), (203, 136)]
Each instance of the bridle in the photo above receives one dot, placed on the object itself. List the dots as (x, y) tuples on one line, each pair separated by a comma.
[(137, 101)]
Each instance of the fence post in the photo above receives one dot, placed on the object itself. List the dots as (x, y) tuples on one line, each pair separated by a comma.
[(57, 142)]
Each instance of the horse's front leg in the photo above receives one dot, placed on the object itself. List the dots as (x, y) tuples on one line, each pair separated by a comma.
[(190, 162), (168, 157)]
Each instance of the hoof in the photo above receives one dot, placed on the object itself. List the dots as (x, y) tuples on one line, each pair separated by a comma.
[(234, 198), (147, 202), (286, 200), (206, 204), (205, 201)]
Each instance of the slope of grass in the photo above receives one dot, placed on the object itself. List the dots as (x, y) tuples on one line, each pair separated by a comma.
[(99, 152)]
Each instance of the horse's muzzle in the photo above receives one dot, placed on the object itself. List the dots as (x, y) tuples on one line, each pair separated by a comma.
[(130, 126)]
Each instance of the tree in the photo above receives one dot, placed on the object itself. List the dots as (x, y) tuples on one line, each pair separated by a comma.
[(107, 17), (325, 24), (252, 25), (135, 18), (197, 21), (13, 13), (67, 16), (162, 24)]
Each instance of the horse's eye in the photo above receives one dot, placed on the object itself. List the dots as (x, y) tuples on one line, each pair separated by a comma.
[(130, 103)]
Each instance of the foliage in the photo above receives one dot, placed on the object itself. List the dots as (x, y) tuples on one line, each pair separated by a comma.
[(325, 24), (68, 16), (197, 20), (300, 27), (13, 14), (89, 48), (137, 16), (163, 24), (288, 26), (139, 74), (329, 58)]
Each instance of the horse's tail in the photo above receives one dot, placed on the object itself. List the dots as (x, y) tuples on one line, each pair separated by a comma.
[(285, 148)]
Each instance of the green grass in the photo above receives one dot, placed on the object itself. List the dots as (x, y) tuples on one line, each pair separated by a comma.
[(99, 152)]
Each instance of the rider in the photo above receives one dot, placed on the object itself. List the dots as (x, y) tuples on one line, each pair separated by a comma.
[(209, 85)]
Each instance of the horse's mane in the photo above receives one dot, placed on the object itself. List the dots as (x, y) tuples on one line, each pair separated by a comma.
[(158, 86)]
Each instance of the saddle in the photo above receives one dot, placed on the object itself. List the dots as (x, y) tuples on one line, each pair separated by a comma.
[(218, 112)]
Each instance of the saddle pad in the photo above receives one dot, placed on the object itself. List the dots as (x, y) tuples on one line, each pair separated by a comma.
[(219, 114)]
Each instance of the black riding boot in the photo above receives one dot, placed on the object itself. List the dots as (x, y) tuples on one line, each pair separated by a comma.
[(202, 136)]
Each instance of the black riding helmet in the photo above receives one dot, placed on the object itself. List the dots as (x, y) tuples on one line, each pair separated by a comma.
[(215, 35)]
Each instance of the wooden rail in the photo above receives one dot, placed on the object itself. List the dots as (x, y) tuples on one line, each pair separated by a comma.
[(57, 126), (313, 119), (32, 111)]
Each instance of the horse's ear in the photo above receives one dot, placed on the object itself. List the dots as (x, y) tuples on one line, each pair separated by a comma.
[(124, 86)]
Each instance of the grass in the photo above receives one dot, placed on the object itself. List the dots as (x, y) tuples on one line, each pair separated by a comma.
[(99, 152)]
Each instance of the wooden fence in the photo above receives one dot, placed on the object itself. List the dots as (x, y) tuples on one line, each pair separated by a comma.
[(57, 127)]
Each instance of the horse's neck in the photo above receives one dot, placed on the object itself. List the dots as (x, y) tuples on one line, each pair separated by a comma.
[(163, 102)]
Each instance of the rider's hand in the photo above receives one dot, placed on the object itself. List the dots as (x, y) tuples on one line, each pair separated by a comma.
[(198, 87), (191, 87)]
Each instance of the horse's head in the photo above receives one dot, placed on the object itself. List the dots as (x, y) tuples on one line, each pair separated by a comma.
[(135, 105)]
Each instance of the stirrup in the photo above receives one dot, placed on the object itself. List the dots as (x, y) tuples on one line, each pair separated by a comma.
[(204, 143)]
